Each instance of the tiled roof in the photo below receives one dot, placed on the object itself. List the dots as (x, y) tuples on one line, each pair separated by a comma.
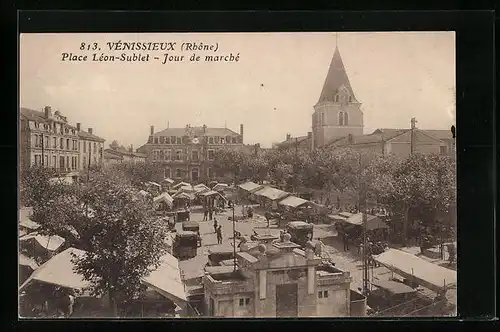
[(125, 153), (440, 134), (198, 131), (107, 155), (89, 136), (38, 116), (336, 77), (293, 140)]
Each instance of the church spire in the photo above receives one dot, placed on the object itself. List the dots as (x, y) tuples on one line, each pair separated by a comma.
[(336, 77)]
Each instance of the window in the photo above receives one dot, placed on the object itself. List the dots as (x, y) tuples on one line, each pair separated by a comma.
[(168, 154), (166, 172), (194, 155), (228, 139), (155, 154), (61, 162), (443, 150), (178, 155), (156, 140), (216, 139), (84, 161), (84, 147), (162, 139), (179, 140), (167, 140), (172, 140), (210, 140), (61, 143), (210, 172), (235, 140), (211, 154), (95, 148), (323, 294), (46, 162), (222, 140), (350, 99), (336, 98), (46, 141), (54, 161), (67, 143), (343, 119), (244, 301), (67, 162), (346, 119), (54, 142), (178, 173)]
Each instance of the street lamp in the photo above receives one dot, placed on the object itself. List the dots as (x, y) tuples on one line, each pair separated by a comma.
[(234, 243)]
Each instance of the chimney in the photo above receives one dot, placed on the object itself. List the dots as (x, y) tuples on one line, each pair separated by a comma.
[(90, 131), (288, 136), (204, 129), (309, 134), (78, 126), (48, 112), (241, 130), (152, 131)]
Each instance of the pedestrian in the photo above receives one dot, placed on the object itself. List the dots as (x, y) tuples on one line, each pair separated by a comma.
[(215, 225), (210, 213), (205, 214), (346, 241), (219, 234)]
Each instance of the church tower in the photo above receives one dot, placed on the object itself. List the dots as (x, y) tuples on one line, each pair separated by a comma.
[(337, 113)]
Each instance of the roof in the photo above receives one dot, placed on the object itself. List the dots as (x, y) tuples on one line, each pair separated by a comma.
[(196, 131), (393, 287), (27, 261), (88, 136), (210, 193), (299, 224), (166, 280), (39, 116), (59, 271), (292, 141), (272, 193), (372, 222), (184, 195), (221, 249), (220, 186), (219, 269), (441, 134), (293, 201), (49, 242), (125, 153), (250, 186), (336, 77), (168, 180), (164, 197), (109, 155), (425, 273)]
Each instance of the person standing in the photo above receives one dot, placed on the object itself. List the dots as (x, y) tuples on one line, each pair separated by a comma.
[(346, 241), (205, 214), (215, 225), (210, 213), (219, 234)]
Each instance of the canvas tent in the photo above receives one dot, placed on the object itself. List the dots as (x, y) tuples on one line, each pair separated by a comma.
[(47, 242), (181, 184), (293, 202), (418, 270), (250, 187), (220, 187), (372, 222)]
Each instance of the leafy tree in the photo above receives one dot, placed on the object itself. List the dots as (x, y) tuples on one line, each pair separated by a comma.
[(138, 173)]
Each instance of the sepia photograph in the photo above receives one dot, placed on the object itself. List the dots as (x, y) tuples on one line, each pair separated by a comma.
[(237, 175)]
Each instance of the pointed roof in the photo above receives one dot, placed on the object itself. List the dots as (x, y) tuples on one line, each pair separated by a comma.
[(336, 77)]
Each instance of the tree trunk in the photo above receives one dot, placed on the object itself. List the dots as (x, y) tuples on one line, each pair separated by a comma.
[(113, 305)]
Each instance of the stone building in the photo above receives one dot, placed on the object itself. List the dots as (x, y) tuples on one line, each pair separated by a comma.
[(48, 139), (187, 153), (277, 280), (91, 148), (119, 155)]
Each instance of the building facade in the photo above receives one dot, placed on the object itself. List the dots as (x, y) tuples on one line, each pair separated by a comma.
[(91, 148), (277, 280), (337, 112), (187, 153), (114, 156), (48, 139)]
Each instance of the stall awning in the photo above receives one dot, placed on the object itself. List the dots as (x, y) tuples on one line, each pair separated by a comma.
[(151, 183), (393, 286), (422, 272), (25, 219), (209, 193), (250, 186), (51, 243), (166, 280), (168, 180), (183, 195), (200, 188), (220, 187), (372, 222), (27, 261), (272, 193), (293, 201), (181, 184), (165, 197)]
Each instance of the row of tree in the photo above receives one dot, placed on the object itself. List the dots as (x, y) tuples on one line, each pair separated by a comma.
[(420, 186), (106, 217)]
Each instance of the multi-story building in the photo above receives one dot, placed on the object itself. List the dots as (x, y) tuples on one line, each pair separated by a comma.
[(187, 153), (91, 148), (48, 139), (277, 280), (119, 155)]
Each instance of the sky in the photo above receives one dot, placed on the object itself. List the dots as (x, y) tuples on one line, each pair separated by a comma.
[(271, 89)]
